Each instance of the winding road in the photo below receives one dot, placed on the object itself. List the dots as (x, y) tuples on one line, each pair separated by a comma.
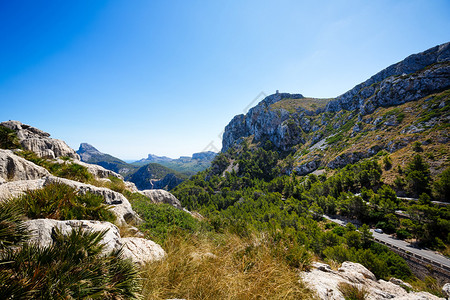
[(405, 247)]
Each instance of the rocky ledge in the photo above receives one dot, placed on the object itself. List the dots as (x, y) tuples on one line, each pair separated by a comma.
[(325, 282)]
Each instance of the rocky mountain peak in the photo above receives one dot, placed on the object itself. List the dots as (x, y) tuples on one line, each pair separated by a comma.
[(85, 147)]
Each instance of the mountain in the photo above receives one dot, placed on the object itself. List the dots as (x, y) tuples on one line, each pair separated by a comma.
[(90, 154), (156, 176), (185, 164), (402, 104)]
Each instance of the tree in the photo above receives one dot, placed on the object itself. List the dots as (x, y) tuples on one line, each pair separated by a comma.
[(366, 235), (442, 186), (418, 176)]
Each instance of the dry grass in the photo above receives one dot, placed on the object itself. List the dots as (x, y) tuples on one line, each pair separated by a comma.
[(292, 105), (352, 292), (230, 268)]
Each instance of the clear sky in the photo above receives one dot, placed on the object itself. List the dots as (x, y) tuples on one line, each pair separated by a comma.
[(133, 77)]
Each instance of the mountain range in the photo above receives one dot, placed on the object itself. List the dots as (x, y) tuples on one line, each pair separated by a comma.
[(153, 172)]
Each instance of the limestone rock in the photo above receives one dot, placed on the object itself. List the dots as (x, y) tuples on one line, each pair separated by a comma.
[(446, 289), (162, 196), (308, 167), (38, 141), (141, 250), (41, 231), (121, 207), (325, 281), (13, 167), (17, 188), (96, 170)]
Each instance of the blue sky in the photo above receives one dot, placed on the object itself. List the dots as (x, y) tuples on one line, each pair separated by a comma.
[(166, 77)]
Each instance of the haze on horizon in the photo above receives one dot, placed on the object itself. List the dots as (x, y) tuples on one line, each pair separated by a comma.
[(165, 77)]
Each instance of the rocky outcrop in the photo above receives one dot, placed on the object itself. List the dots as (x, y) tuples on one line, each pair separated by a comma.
[(325, 281), (13, 167), (38, 141), (96, 170), (161, 196), (411, 79), (121, 207), (14, 189), (279, 126), (139, 250)]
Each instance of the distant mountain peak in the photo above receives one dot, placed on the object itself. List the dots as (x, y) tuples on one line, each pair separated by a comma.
[(85, 147)]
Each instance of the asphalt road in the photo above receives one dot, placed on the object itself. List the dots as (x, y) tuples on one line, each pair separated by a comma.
[(428, 254), (400, 244)]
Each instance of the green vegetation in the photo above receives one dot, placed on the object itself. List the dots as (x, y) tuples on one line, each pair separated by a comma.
[(161, 219), (352, 292), (8, 139), (61, 202), (292, 105), (67, 169), (73, 267), (289, 211)]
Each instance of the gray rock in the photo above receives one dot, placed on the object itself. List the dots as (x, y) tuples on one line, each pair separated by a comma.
[(96, 170), (38, 141), (139, 250), (14, 189), (324, 281), (308, 167), (13, 167), (41, 231), (161, 196)]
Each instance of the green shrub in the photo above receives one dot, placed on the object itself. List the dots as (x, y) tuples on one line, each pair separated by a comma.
[(12, 228), (68, 170), (352, 292), (8, 139), (73, 267), (160, 219), (61, 202)]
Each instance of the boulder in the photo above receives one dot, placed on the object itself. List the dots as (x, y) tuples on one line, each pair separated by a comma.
[(325, 281), (41, 231), (38, 141), (121, 207), (161, 196), (139, 250), (13, 167), (17, 188)]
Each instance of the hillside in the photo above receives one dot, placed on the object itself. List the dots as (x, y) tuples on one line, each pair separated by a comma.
[(185, 164), (156, 176), (291, 160)]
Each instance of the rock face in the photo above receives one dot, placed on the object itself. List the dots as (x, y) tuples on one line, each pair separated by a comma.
[(265, 123), (139, 250), (38, 141), (325, 282), (17, 188), (411, 79), (161, 196), (13, 167)]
